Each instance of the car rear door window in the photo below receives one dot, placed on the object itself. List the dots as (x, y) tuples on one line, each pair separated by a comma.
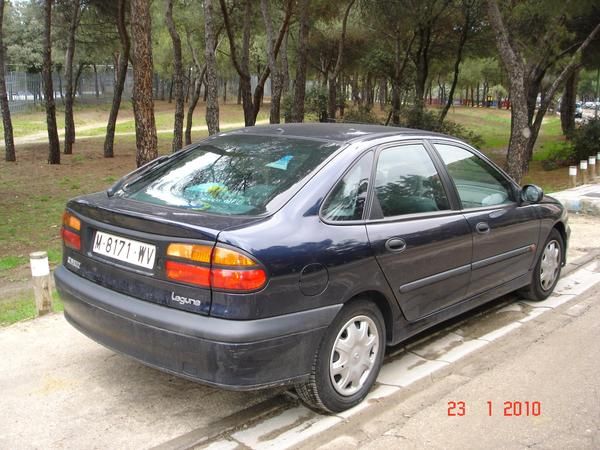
[(347, 200), (478, 183), (407, 182)]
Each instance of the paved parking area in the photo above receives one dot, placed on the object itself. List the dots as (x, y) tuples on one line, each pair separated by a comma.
[(62, 390)]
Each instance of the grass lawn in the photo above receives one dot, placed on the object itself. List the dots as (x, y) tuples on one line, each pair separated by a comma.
[(33, 194), (15, 310)]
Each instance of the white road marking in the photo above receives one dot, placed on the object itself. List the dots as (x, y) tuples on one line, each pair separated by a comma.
[(493, 335), (408, 369)]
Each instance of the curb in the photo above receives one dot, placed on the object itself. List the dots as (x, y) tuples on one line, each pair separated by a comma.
[(581, 199)]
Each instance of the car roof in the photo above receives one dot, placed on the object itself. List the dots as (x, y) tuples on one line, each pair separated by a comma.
[(337, 132)]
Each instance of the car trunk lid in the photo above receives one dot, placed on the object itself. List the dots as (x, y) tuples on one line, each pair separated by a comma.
[(124, 242)]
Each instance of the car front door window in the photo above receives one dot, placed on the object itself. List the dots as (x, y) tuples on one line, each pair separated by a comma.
[(478, 184)]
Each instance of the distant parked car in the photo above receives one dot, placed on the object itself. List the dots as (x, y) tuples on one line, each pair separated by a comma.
[(294, 254), (578, 111)]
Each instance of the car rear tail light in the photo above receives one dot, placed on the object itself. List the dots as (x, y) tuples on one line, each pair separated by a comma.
[(214, 267), (198, 253), (188, 273), (238, 280), (69, 220), (70, 231)]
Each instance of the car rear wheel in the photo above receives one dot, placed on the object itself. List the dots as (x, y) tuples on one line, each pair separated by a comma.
[(348, 360), (547, 269)]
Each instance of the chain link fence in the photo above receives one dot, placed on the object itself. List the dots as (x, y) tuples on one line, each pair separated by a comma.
[(95, 84)]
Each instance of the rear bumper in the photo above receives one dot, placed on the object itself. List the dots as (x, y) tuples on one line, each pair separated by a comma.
[(230, 354)]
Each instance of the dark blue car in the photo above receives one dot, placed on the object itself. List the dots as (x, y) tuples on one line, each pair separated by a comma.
[(294, 254)]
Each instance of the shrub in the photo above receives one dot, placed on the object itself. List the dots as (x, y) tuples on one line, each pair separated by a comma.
[(586, 139), (429, 120), (316, 102), (362, 114), (286, 106), (553, 155)]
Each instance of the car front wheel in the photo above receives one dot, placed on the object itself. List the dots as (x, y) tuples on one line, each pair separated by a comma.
[(547, 269), (348, 360)]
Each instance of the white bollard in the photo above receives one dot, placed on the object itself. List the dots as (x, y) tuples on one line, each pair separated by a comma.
[(583, 168), (573, 175), (592, 166), (40, 272)]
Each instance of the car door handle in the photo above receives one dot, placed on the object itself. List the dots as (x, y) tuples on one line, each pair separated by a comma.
[(395, 245), (482, 228)]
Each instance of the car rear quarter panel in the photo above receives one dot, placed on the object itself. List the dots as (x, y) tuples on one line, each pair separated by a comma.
[(295, 238)]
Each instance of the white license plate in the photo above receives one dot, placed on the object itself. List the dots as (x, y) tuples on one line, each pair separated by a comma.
[(126, 250)]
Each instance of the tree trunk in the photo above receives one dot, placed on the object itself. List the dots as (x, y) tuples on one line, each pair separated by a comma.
[(120, 83), (285, 68), (225, 91), (259, 90), (457, 61), (567, 104), (177, 77), (241, 65), (9, 143), (96, 84), (276, 75), (523, 132), (60, 86), (302, 62), (54, 144), (69, 100), (192, 106), (332, 100), (212, 101), (143, 104)]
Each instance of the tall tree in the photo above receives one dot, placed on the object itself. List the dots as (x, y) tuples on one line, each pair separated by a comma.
[(53, 142), (73, 14), (467, 10), (567, 103), (302, 62), (212, 97), (121, 77), (242, 65), (143, 103), (9, 143), (274, 67), (334, 74), (198, 82), (525, 81), (177, 77), (250, 102)]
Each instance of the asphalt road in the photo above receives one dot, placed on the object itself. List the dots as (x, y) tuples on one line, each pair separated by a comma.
[(554, 361)]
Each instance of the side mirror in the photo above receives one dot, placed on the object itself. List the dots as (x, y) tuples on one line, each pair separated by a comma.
[(531, 194)]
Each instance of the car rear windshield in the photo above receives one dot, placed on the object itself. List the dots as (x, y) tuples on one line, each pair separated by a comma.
[(231, 175)]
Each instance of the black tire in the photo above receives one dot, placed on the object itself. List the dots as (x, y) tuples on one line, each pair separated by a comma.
[(319, 392), (539, 289)]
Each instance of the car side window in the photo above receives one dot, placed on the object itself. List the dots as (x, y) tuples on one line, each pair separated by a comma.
[(347, 200), (478, 183), (407, 182)]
